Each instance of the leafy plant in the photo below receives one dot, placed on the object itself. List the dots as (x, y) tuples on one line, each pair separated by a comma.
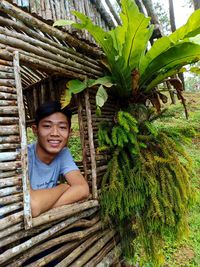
[(146, 189), (135, 70)]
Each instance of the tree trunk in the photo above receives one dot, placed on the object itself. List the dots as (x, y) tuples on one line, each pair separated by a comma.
[(196, 4), (154, 19), (171, 15), (173, 28), (139, 4)]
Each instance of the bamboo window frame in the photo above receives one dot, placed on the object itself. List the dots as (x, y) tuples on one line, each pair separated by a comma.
[(22, 130), (56, 213)]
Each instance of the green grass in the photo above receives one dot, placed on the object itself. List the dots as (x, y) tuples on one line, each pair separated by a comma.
[(187, 252)]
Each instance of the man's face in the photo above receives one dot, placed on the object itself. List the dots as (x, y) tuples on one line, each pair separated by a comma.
[(52, 133)]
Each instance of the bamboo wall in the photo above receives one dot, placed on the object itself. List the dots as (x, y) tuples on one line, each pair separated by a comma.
[(52, 10), (35, 64)]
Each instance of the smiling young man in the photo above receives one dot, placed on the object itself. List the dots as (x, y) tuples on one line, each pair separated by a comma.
[(49, 158)]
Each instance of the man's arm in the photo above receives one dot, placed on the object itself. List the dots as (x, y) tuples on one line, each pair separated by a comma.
[(78, 189), (43, 199)]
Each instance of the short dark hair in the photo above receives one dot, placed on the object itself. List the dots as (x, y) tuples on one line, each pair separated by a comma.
[(48, 108)]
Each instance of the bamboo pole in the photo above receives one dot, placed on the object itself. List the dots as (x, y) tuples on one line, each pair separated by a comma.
[(9, 139), (9, 120), (101, 254), (11, 199), (7, 174), (98, 169), (94, 249), (6, 69), (7, 96), (54, 255), (8, 146), (12, 252), (9, 110), (10, 190), (5, 62), (22, 131), (8, 103), (7, 82), (10, 220), (7, 89), (6, 75), (82, 137), (17, 180), (91, 145), (19, 14), (10, 208), (6, 156), (111, 257), (12, 230), (64, 212), (10, 165), (83, 223), (78, 235)]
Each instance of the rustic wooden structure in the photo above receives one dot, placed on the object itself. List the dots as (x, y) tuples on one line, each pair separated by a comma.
[(36, 61)]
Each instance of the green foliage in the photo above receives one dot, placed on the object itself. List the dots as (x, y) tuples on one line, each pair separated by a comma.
[(75, 147), (146, 186), (76, 86), (30, 136), (133, 67), (101, 96)]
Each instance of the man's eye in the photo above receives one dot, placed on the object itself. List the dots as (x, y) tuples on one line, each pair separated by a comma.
[(63, 127), (46, 126)]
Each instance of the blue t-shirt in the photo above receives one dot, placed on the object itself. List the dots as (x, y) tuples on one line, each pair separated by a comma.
[(44, 175)]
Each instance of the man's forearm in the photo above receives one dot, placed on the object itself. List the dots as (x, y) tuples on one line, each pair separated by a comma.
[(44, 199), (72, 194)]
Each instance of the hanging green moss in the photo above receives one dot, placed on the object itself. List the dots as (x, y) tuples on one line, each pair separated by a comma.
[(146, 189)]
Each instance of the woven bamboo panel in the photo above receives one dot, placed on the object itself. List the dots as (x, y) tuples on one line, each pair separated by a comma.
[(52, 10)]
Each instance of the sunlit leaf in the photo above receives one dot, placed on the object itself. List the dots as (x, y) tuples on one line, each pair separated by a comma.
[(63, 22), (65, 98), (105, 81), (76, 86), (101, 96), (170, 61)]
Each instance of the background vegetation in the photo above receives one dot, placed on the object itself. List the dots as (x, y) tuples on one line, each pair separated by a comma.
[(187, 252)]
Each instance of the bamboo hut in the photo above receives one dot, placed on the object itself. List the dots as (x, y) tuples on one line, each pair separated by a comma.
[(36, 61)]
